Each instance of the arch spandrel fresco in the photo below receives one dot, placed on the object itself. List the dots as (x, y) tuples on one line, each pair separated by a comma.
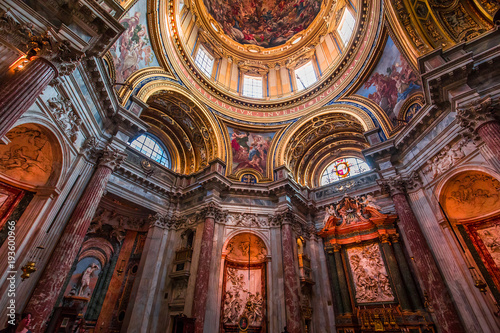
[(391, 83), (133, 49), (29, 157)]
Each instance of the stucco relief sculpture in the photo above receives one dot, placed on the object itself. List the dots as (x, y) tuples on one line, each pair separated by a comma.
[(28, 157), (369, 275), (445, 159), (471, 195), (239, 247), (246, 220)]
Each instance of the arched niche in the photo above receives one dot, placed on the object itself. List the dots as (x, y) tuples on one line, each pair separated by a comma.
[(471, 202), (32, 158), (244, 282)]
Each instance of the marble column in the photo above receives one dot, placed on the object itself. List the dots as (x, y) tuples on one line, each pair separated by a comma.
[(344, 289), (52, 280), (406, 274), (292, 290), (211, 212), (446, 315), (20, 90), (478, 117), (394, 271), (334, 279)]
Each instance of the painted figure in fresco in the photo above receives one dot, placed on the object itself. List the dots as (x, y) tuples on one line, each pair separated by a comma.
[(133, 49), (391, 83), (250, 150), (266, 23)]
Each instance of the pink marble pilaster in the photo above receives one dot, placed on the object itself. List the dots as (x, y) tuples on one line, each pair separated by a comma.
[(19, 91), (43, 299), (292, 300), (439, 297), (202, 276)]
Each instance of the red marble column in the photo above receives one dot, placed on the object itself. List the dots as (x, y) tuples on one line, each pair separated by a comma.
[(20, 90), (490, 134), (43, 299), (445, 312), (292, 291), (203, 273)]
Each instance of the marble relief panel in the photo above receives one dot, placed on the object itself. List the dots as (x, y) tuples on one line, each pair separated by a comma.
[(243, 286), (370, 278)]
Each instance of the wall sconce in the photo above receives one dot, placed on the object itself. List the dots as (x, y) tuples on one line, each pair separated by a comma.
[(119, 271), (28, 269), (30, 266)]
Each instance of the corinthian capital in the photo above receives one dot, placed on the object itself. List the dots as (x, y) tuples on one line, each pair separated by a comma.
[(48, 45), (476, 113), (393, 185), (212, 210), (111, 157)]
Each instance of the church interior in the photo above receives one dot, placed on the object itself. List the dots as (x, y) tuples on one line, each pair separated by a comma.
[(260, 166)]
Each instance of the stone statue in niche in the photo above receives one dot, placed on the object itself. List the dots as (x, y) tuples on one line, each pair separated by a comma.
[(369, 274), (83, 286), (85, 282)]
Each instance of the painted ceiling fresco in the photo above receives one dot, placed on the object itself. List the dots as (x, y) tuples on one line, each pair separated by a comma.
[(133, 50), (249, 150), (391, 82), (265, 23)]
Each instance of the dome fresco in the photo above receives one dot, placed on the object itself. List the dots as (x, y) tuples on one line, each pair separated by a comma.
[(266, 23)]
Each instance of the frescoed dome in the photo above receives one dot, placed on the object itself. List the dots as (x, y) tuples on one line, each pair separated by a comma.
[(266, 23)]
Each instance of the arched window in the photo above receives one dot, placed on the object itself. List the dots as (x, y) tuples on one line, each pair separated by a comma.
[(152, 148), (343, 168)]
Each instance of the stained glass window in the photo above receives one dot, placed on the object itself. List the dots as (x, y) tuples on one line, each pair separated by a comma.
[(343, 168), (152, 148)]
